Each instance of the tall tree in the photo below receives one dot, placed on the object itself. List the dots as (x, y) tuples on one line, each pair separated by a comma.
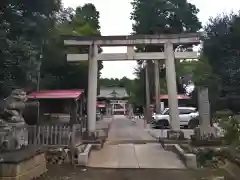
[(31, 28), (115, 82), (56, 72), (162, 17), (221, 48), (90, 15), (21, 39)]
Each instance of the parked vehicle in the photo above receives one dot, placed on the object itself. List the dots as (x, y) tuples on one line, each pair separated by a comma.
[(189, 118)]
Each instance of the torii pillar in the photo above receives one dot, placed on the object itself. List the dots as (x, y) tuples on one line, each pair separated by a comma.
[(92, 87), (157, 87), (171, 85)]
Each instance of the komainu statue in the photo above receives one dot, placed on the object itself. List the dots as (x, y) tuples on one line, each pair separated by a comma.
[(13, 131)]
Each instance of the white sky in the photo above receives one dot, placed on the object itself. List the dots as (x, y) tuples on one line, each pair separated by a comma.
[(115, 20)]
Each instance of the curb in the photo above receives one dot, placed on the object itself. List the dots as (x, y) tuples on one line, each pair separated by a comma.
[(188, 159), (83, 157)]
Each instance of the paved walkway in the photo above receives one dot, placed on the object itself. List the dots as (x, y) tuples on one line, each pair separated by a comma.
[(125, 148), (123, 129)]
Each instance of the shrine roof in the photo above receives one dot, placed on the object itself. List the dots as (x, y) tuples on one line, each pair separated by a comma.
[(113, 92), (179, 96), (56, 94)]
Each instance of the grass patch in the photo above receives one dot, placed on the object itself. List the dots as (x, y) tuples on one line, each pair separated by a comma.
[(224, 113)]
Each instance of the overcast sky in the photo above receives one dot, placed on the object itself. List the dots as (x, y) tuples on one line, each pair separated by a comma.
[(114, 20)]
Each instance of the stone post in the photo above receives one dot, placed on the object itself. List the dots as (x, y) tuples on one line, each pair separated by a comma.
[(92, 88), (204, 111), (172, 86)]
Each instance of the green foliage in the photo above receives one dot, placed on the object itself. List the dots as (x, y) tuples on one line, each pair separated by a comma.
[(161, 17), (224, 113), (221, 48), (164, 16), (221, 55), (31, 28), (210, 158), (20, 39), (90, 15), (185, 67), (115, 82), (232, 131), (203, 75), (56, 72)]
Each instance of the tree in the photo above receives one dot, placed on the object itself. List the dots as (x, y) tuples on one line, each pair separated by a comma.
[(31, 28), (123, 82), (221, 48), (203, 76), (21, 40), (57, 73), (162, 17), (90, 15)]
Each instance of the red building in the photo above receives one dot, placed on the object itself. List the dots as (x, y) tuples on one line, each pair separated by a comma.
[(114, 98), (183, 100)]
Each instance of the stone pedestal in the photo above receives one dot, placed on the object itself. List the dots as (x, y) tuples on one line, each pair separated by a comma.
[(24, 164), (19, 134), (175, 135)]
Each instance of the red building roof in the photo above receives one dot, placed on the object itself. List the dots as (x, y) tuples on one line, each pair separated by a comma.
[(56, 94), (179, 96), (101, 105)]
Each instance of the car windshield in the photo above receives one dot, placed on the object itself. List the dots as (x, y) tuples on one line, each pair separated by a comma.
[(165, 111), (186, 111), (181, 111)]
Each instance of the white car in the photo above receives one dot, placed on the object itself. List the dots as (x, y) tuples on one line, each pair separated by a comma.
[(188, 118)]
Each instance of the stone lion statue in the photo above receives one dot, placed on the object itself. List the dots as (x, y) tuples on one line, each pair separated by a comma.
[(12, 133)]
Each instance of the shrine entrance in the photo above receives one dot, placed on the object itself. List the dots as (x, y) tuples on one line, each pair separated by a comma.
[(169, 42)]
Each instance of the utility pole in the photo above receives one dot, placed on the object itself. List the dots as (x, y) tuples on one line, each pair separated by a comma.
[(148, 113), (39, 73), (39, 77), (39, 67), (157, 87)]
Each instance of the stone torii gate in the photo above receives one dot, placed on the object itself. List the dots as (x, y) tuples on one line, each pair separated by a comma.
[(168, 41)]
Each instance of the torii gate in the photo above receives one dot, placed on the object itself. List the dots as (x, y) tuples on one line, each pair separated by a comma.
[(130, 41)]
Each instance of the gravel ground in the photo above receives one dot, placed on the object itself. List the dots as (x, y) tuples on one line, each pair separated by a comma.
[(70, 173)]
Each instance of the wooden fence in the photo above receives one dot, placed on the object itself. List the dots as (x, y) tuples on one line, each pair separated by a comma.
[(55, 135), (46, 135)]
